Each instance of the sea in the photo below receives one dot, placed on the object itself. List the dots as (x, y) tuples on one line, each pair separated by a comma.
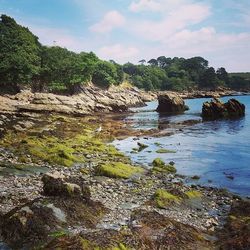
[(216, 151)]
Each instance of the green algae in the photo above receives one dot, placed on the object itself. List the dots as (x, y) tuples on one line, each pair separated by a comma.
[(66, 145), (58, 234), (159, 166), (164, 151), (142, 146), (158, 162), (193, 194), (118, 170), (163, 198)]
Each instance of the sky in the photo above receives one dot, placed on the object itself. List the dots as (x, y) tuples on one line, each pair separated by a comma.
[(132, 30)]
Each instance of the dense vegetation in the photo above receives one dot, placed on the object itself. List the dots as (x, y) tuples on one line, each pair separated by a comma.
[(26, 62)]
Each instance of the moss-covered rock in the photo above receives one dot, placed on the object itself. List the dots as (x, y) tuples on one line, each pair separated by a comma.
[(159, 166), (142, 146), (163, 198), (164, 151), (118, 170), (193, 194), (158, 162), (60, 145)]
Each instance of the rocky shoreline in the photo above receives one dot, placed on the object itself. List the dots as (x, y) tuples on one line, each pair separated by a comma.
[(148, 209), (91, 100)]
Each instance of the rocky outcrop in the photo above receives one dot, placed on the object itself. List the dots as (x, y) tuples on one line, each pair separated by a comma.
[(90, 99), (41, 220), (54, 184), (171, 103), (217, 110)]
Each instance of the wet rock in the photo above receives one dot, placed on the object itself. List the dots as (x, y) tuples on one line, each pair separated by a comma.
[(54, 184), (216, 109), (236, 233), (171, 103), (36, 222)]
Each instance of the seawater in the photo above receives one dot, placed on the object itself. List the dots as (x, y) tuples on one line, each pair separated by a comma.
[(217, 151)]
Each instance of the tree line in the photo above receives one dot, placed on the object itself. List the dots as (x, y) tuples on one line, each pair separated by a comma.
[(25, 62)]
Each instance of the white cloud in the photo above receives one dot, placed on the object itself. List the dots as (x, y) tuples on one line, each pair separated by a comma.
[(231, 51), (118, 52), (145, 5), (175, 21), (156, 5), (206, 40), (113, 19)]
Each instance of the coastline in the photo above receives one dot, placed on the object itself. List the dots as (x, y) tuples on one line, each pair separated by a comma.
[(204, 214)]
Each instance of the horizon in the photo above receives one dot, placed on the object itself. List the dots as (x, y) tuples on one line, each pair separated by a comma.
[(131, 30)]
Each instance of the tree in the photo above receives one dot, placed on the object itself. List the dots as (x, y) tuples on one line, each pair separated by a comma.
[(105, 74), (209, 79), (19, 54), (164, 62), (153, 62), (222, 75), (195, 66), (63, 70), (143, 61)]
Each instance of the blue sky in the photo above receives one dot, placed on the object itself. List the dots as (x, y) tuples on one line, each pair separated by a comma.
[(130, 30)]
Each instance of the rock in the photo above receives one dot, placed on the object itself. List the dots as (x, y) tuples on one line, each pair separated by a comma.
[(34, 223), (88, 100), (171, 103), (55, 185), (216, 109)]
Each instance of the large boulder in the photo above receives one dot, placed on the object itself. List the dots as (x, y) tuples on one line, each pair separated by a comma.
[(216, 109), (171, 103), (54, 184)]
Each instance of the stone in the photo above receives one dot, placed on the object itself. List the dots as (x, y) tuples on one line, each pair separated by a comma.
[(55, 185), (170, 103), (216, 109)]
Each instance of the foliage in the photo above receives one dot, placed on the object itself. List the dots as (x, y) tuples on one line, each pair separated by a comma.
[(239, 81), (25, 62), (19, 54), (105, 74)]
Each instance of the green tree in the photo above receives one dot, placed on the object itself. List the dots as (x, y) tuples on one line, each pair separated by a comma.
[(209, 79), (65, 70), (222, 75), (105, 74), (164, 62), (19, 54), (153, 62)]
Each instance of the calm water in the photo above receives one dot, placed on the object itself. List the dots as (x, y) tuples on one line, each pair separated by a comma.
[(213, 150)]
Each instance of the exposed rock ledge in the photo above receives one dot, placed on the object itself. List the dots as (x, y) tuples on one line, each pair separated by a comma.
[(217, 110), (91, 99)]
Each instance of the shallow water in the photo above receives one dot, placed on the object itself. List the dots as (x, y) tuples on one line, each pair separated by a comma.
[(217, 151)]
